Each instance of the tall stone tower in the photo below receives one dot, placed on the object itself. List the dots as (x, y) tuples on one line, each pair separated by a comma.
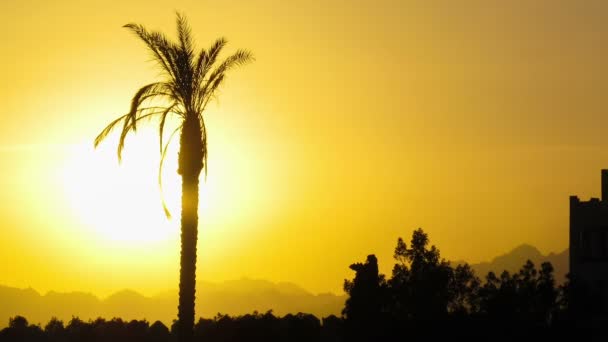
[(589, 246)]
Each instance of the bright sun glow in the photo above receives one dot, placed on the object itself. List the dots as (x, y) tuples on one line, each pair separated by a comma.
[(122, 202)]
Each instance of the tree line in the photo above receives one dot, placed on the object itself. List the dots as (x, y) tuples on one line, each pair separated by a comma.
[(425, 298)]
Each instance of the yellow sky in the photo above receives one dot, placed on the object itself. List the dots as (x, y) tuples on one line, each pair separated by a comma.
[(359, 122)]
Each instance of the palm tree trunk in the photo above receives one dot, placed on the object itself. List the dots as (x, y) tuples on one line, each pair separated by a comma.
[(190, 165), (187, 274)]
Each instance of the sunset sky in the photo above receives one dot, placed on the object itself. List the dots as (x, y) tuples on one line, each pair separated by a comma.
[(359, 122)]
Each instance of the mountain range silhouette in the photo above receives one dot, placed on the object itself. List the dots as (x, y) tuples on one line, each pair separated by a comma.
[(234, 297), (514, 259)]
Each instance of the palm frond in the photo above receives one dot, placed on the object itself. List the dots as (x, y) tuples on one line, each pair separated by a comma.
[(121, 141), (168, 51), (205, 149), (154, 42), (184, 32), (240, 57), (210, 91), (130, 126), (206, 59), (160, 171), (163, 118), (148, 116), (215, 49), (106, 131), (145, 92)]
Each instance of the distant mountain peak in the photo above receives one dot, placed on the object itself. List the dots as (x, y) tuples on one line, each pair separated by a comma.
[(522, 251), (513, 260), (527, 247)]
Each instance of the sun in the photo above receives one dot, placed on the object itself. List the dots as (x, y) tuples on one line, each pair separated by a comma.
[(122, 202)]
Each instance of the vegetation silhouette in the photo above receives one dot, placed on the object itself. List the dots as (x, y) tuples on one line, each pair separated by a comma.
[(426, 298), (191, 81)]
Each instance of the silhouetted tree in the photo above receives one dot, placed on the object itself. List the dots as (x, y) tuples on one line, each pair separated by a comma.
[(77, 330), (547, 292), (20, 330), (528, 295), (158, 332), (55, 331), (421, 280), (18, 322), (428, 298), (191, 81), (302, 327), (332, 329), (499, 296), (564, 295), (365, 309), (464, 291)]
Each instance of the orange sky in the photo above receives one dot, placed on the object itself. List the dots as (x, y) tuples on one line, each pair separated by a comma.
[(359, 122)]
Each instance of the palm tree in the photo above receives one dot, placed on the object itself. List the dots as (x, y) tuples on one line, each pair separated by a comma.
[(190, 81)]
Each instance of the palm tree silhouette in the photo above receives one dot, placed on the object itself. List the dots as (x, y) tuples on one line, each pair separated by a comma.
[(190, 82)]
